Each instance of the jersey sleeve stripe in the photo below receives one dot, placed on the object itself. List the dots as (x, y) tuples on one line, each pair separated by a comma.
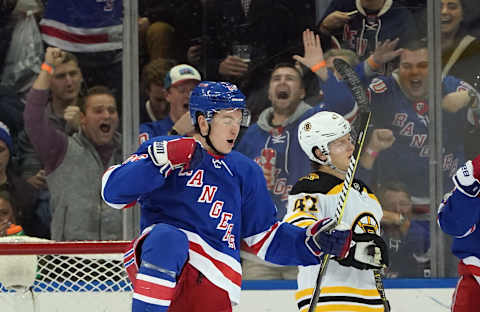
[(304, 224), (154, 287), (473, 264), (261, 241), (350, 290), (299, 214)]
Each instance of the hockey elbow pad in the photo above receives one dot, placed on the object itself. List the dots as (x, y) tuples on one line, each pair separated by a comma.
[(325, 236), (369, 251)]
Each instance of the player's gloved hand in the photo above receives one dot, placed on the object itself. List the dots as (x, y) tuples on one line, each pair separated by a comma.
[(368, 252), (467, 178), (175, 153), (325, 236)]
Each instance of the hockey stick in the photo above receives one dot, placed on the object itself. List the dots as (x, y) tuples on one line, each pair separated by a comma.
[(359, 94), (347, 183), (362, 123)]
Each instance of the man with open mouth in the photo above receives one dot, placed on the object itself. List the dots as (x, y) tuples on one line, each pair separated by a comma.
[(74, 164)]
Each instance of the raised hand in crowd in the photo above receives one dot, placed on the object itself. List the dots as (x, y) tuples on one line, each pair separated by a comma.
[(54, 56), (233, 66), (386, 51), (380, 140), (72, 116), (313, 56)]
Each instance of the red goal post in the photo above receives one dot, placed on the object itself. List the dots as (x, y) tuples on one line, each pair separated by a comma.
[(41, 275)]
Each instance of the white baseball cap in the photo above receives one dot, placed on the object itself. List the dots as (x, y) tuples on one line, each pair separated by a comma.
[(180, 73)]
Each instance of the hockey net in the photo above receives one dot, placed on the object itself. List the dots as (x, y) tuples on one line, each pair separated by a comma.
[(39, 275)]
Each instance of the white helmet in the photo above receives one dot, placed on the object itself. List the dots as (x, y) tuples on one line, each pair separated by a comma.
[(319, 130)]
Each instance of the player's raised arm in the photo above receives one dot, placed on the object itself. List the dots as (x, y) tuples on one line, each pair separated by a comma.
[(459, 216)]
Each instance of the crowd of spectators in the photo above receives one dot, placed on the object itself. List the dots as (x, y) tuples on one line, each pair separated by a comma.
[(59, 130)]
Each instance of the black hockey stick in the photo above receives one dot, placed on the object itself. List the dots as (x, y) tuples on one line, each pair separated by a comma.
[(360, 96), (361, 125)]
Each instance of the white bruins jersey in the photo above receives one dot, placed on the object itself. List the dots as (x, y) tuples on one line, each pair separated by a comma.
[(343, 288)]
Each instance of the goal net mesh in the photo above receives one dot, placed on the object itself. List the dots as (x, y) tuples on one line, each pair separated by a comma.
[(32, 268)]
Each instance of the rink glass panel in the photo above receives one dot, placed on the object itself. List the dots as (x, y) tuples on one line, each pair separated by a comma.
[(217, 35)]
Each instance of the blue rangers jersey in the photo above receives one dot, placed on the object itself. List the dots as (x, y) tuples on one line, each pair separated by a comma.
[(408, 158), (219, 205), (365, 29), (459, 216), (153, 129), (83, 26)]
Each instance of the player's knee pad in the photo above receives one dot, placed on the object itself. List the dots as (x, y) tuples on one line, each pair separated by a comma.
[(164, 252), (165, 249)]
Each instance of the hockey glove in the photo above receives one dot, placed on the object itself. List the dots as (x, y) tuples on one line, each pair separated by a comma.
[(175, 153), (466, 178), (325, 236), (368, 252)]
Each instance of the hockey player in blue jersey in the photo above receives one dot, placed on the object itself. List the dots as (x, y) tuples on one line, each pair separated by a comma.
[(459, 216), (199, 203)]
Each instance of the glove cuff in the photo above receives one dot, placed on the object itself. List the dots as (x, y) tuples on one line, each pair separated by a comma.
[(312, 246), (158, 153)]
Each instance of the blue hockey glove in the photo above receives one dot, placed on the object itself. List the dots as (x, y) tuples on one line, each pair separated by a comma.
[(466, 178), (325, 236), (175, 153)]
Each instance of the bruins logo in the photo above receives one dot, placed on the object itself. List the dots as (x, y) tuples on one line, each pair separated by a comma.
[(307, 126), (366, 223)]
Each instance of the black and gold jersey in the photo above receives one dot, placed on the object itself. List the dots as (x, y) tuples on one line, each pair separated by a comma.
[(313, 198)]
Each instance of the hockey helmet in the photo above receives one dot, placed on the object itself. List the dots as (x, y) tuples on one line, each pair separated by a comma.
[(209, 97), (318, 131)]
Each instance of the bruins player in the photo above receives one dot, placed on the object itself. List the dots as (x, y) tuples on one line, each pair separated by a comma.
[(348, 284)]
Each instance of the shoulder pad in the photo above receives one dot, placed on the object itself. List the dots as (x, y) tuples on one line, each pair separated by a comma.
[(311, 177), (317, 182)]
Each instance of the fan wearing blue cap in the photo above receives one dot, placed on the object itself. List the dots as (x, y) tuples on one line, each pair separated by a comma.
[(179, 83)]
